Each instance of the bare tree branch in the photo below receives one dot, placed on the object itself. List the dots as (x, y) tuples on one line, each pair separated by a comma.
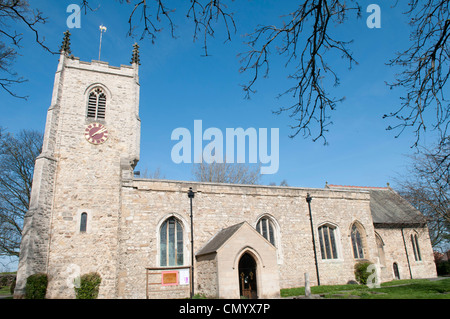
[(13, 13), (205, 14), (148, 15), (17, 157), (230, 173), (426, 186), (305, 39), (426, 65), (156, 174)]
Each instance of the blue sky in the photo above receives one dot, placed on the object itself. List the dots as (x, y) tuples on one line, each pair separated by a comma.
[(179, 86)]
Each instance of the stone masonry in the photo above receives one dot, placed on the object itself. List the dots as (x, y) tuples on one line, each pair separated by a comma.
[(124, 214), (73, 177)]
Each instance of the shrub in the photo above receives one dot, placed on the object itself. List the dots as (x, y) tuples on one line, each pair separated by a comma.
[(36, 286), (443, 268), (361, 273), (89, 286), (3, 281)]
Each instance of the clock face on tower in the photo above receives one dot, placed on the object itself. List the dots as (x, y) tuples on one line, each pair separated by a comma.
[(96, 133)]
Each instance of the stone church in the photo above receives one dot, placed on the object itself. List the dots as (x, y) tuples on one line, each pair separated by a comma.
[(89, 213)]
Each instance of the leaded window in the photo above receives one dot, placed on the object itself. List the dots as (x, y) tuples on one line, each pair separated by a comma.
[(415, 244), (357, 243), (266, 228), (327, 240), (171, 243)]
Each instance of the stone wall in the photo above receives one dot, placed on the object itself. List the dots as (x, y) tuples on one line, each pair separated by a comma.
[(146, 204), (394, 240), (36, 225), (86, 178), (207, 280)]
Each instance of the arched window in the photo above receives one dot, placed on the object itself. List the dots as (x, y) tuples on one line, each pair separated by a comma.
[(327, 240), (396, 272), (171, 243), (357, 242), (415, 244), (83, 223), (266, 228), (97, 104), (380, 247)]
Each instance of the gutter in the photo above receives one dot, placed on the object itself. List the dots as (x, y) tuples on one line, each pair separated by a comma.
[(407, 256), (308, 200)]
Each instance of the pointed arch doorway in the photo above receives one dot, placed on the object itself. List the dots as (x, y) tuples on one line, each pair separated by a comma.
[(247, 277), (245, 264)]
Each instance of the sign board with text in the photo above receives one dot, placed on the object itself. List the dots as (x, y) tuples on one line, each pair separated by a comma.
[(169, 278)]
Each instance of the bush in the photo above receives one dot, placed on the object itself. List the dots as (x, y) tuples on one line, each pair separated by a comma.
[(89, 286), (361, 273), (3, 281), (36, 286), (443, 268)]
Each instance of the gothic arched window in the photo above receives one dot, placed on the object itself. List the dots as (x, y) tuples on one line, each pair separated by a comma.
[(97, 104), (266, 228), (171, 243), (380, 247), (415, 244), (357, 242), (327, 239)]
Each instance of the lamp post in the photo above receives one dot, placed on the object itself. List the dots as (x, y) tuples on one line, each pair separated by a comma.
[(191, 195), (308, 200)]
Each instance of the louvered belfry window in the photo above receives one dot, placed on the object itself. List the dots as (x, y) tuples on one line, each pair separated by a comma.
[(97, 104)]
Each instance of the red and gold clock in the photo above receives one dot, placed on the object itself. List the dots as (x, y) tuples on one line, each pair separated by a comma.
[(96, 133)]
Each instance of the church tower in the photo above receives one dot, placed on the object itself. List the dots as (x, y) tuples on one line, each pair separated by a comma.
[(91, 145)]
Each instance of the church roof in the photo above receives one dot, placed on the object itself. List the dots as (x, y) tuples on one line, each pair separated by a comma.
[(219, 239), (388, 208)]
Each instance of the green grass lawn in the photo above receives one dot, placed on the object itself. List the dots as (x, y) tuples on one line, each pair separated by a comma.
[(5, 291), (397, 289)]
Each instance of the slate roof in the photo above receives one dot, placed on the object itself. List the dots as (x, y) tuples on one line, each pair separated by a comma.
[(388, 208), (219, 239)]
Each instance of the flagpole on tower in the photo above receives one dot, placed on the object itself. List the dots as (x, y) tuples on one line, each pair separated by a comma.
[(102, 29)]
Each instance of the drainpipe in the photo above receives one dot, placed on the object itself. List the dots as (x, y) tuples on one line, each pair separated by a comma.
[(407, 256), (191, 195), (308, 200)]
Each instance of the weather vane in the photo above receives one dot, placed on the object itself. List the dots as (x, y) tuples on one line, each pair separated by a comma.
[(102, 29)]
